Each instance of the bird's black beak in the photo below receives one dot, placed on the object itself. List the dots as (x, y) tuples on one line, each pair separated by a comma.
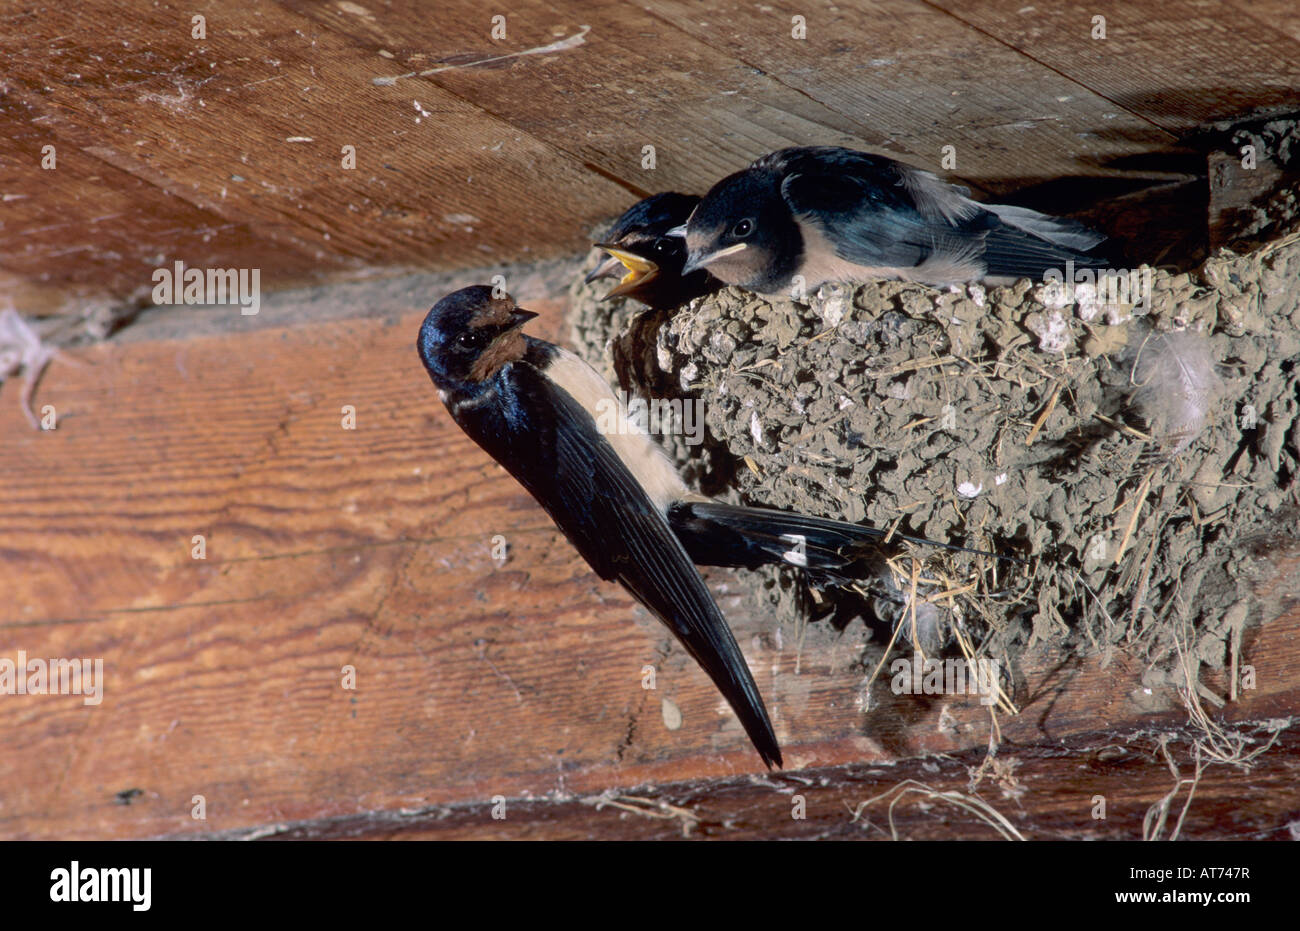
[(518, 317), (639, 270), (696, 261), (605, 269)]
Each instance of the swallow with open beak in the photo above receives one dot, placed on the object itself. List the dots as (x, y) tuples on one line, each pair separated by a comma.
[(647, 258), (556, 425), (807, 216)]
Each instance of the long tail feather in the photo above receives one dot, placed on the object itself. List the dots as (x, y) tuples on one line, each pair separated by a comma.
[(717, 534)]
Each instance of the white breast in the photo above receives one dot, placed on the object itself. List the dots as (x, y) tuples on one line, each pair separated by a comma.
[(644, 458)]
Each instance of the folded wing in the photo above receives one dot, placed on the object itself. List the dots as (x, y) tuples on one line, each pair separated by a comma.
[(552, 446)]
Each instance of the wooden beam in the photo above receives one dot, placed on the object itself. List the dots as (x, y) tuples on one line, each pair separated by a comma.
[(634, 81), (1098, 786), (917, 80), (474, 151), (84, 230), (1177, 64), (373, 548), (250, 123)]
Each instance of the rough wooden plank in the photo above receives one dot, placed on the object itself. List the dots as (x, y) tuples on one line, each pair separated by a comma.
[(214, 122), (633, 81), (706, 101), (1279, 15), (1234, 190), (1177, 64), (373, 548), (85, 230), (924, 80), (1044, 793), (512, 159)]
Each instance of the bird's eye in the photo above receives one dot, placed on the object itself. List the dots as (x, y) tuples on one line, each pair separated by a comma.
[(471, 340), (662, 244), (743, 228)]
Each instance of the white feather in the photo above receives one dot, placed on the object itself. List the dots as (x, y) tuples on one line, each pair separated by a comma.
[(1062, 232), (1176, 387)]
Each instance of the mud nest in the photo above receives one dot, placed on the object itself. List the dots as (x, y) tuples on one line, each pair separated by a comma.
[(1138, 450)]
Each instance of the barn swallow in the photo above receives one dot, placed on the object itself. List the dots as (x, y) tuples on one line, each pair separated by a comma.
[(832, 214), (535, 408), (649, 260)]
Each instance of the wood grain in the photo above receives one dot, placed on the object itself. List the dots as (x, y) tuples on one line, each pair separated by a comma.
[(918, 80), (226, 151), (1043, 792), (86, 229), (1176, 64), (1277, 15), (250, 123), (634, 81)]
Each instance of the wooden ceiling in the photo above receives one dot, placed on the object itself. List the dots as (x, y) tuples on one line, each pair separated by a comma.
[(227, 151)]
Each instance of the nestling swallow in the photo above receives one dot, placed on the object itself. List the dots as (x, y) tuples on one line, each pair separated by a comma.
[(650, 260), (534, 408), (832, 214)]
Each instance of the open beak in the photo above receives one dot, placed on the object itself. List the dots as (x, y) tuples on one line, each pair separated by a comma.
[(695, 262), (639, 270)]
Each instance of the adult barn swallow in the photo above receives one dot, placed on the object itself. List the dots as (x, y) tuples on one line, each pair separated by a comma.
[(649, 260), (832, 214), (534, 408)]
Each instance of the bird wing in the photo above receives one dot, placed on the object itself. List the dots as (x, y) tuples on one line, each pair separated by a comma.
[(720, 534), (880, 213), (551, 445), (1026, 244)]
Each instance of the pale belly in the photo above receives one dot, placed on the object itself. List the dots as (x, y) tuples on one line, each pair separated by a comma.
[(821, 266)]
